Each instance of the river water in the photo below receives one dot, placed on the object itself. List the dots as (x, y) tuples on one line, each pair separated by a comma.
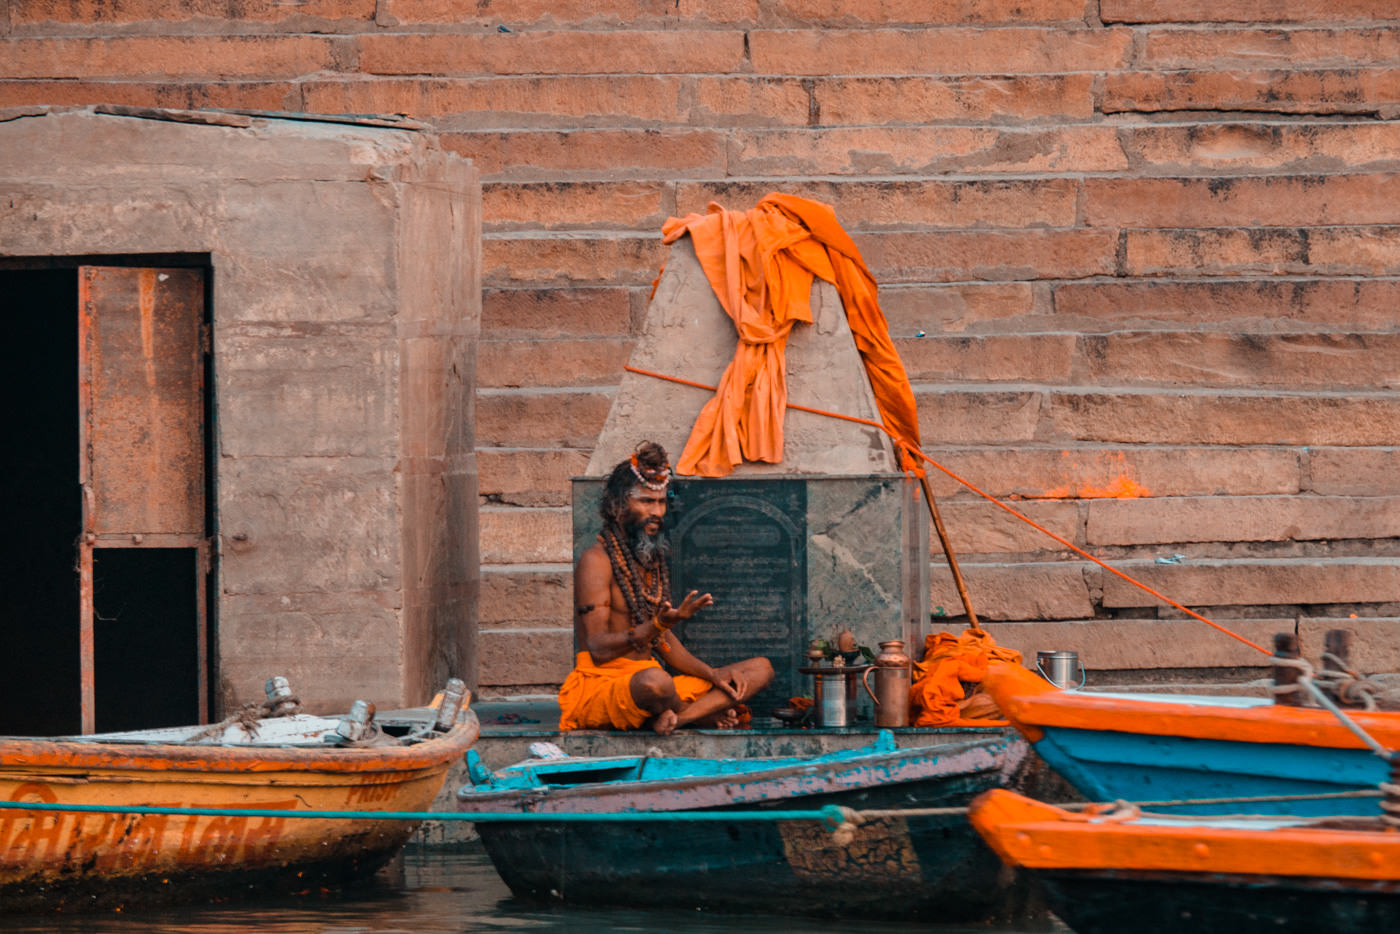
[(439, 891)]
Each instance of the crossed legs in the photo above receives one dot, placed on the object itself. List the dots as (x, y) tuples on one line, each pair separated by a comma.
[(654, 691)]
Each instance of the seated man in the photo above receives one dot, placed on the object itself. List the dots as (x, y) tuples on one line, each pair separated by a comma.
[(623, 614)]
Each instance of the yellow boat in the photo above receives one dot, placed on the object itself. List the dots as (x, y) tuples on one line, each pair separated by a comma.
[(73, 859)]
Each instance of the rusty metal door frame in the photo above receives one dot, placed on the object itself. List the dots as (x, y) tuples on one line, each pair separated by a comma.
[(154, 445)]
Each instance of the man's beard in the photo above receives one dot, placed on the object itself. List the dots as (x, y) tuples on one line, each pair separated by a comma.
[(649, 549)]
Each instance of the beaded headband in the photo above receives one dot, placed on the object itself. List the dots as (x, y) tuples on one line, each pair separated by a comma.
[(653, 478)]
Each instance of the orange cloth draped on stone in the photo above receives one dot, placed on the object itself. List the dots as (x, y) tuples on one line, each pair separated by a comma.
[(950, 660), (599, 697), (761, 264)]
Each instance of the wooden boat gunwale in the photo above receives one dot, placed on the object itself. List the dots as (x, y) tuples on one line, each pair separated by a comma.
[(787, 782), (21, 752), (1039, 836), (1031, 703)]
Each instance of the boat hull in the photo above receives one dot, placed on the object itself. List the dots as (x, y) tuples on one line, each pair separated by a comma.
[(1121, 870), (1193, 750), (907, 867), (1168, 903), (65, 860)]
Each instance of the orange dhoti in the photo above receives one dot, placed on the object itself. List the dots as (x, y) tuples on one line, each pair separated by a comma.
[(599, 697)]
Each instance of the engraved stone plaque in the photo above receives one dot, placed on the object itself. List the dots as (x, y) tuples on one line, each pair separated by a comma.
[(744, 542)]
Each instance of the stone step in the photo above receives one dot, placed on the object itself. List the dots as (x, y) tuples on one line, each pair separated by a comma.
[(624, 257), (540, 476), (1183, 145), (535, 656), (542, 535), (1291, 361), (540, 596), (571, 417), (1286, 305)]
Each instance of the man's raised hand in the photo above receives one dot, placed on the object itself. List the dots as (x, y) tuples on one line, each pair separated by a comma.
[(693, 603)]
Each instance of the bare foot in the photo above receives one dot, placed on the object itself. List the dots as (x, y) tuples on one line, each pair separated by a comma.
[(727, 720), (665, 722)]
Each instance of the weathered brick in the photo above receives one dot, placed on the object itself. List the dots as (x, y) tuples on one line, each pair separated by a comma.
[(629, 13), (247, 95), (1286, 361), (1093, 472), (919, 99), (556, 312), (539, 362), (866, 205), (555, 155), (941, 256), (1036, 358), (1242, 11), (918, 12), (534, 417), (1253, 146), (1118, 644), (1258, 582), (927, 51), (1150, 520), (688, 51), (1267, 48), (1345, 91), (526, 595), (921, 150), (602, 257), (1292, 200), (1220, 417), (1031, 590), (1358, 303), (980, 528), (956, 307), (507, 103), (1374, 645), (1354, 471), (517, 535), (525, 656), (104, 12), (1268, 251), (750, 101), (529, 476), (575, 205), (962, 415), (168, 56)]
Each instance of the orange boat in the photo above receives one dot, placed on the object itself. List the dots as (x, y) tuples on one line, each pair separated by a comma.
[(1108, 870), (52, 859)]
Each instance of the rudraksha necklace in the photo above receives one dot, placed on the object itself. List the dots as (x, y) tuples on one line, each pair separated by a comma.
[(634, 580)]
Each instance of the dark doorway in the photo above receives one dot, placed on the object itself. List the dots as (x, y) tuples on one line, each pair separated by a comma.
[(144, 640), (104, 556), (40, 502)]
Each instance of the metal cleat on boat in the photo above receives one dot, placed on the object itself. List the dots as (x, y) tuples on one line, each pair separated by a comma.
[(544, 750), (357, 725), (453, 694), (477, 772), (281, 702)]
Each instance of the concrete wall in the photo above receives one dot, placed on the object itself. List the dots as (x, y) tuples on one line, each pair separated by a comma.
[(345, 315), (1151, 246)]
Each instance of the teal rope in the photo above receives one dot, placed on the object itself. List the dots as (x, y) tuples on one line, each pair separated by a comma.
[(829, 814)]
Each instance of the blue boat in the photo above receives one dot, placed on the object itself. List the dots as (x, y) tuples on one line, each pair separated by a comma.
[(1163, 748), (927, 865)]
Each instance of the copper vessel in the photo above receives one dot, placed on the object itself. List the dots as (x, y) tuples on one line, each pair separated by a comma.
[(892, 679)]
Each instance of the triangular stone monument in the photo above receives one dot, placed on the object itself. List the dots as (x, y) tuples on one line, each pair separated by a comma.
[(832, 538)]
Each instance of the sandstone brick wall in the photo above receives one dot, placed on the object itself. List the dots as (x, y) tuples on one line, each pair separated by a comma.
[(1152, 247)]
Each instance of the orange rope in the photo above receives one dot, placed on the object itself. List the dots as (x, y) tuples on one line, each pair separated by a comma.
[(987, 496)]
